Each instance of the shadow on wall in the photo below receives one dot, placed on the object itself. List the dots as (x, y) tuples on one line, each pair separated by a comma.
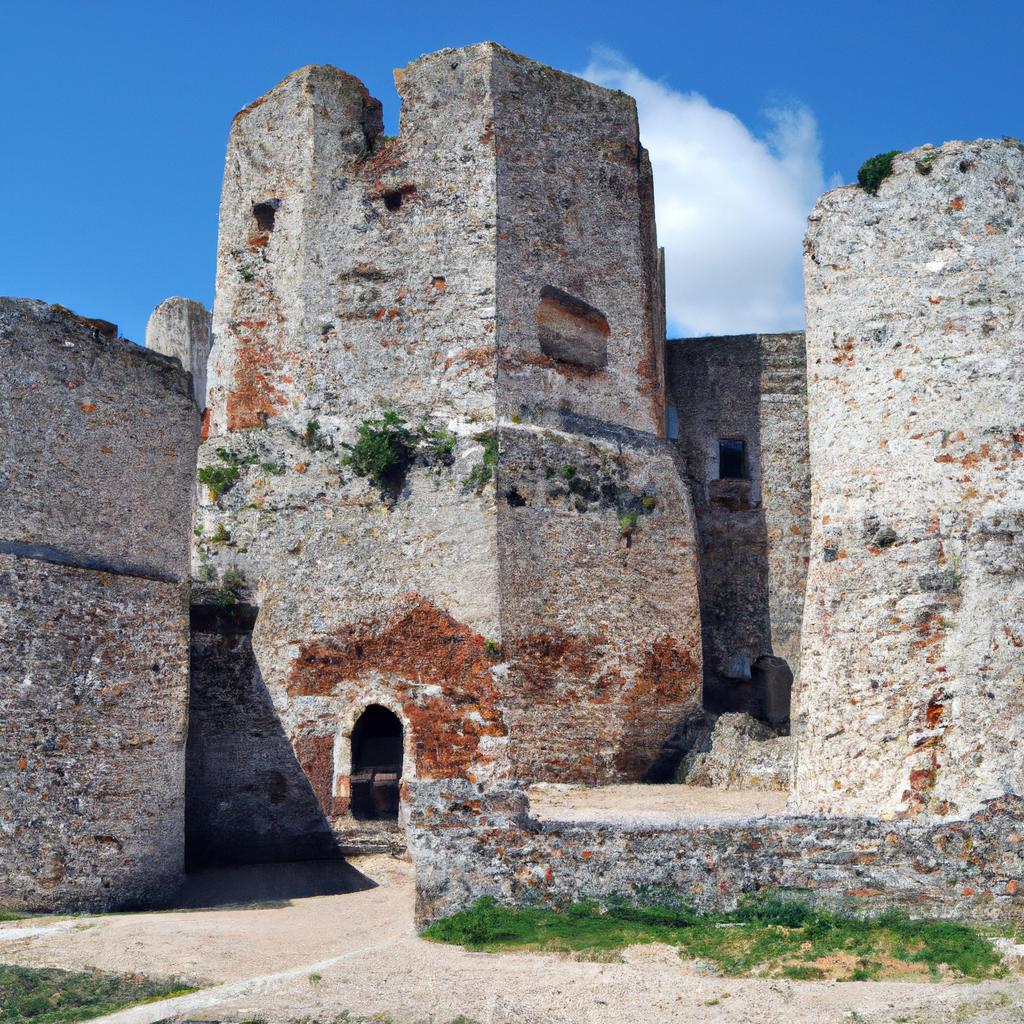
[(247, 799), (716, 382)]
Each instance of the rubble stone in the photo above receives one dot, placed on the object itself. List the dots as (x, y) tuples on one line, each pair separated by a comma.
[(740, 753), (94, 553)]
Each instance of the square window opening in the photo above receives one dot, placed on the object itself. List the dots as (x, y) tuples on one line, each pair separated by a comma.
[(732, 459)]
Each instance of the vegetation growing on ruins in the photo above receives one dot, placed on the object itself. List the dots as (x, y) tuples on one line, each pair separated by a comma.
[(482, 474), (222, 475), (628, 521), (385, 448), (874, 171), (383, 451), (51, 996), (313, 439), (767, 936)]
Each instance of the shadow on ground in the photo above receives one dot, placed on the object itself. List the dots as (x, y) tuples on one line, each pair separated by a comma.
[(274, 883)]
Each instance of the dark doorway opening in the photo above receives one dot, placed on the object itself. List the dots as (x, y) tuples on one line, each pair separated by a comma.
[(731, 459), (377, 744)]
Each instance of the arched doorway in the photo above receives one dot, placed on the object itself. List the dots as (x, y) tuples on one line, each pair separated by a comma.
[(377, 744)]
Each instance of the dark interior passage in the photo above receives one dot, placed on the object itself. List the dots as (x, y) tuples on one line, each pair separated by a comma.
[(376, 764)]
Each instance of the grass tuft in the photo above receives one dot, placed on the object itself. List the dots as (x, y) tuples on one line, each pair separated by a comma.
[(764, 936), (30, 995)]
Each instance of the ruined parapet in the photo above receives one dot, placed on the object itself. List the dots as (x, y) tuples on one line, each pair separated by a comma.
[(97, 464), (913, 641), (741, 405), (511, 334), (182, 328)]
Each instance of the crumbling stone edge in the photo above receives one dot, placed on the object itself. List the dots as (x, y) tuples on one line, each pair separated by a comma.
[(467, 841)]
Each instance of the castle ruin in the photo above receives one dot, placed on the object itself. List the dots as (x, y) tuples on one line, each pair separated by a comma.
[(461, 521)]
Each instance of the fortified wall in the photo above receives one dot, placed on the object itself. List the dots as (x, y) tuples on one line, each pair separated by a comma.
[(443, 547), (515, 592), (741, 412), (98, 477), (915, 591), (908, 787)]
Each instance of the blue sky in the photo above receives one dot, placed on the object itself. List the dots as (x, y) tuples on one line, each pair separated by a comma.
[(115, 118)]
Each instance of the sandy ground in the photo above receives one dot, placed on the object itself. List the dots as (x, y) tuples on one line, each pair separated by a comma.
[(316, 957), (651, 804)]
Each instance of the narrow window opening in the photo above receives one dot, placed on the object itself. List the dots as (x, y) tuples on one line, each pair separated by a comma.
[(377, 744), (265, 213), (671, 422), (731, 459), (393, 199)]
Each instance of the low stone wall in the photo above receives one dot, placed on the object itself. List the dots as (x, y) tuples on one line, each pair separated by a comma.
[(489, 846)]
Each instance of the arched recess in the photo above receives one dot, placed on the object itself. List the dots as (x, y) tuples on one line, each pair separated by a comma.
[(377, 758)]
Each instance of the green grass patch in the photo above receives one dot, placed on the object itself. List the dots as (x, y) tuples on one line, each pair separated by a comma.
[(767, 936), (10, 915), (479, 476), (30, 995)]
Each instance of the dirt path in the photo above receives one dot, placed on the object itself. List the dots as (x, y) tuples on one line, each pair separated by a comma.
[(357, 952)]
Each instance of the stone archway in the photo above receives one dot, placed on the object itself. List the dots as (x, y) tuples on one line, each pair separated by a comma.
[(377, 760)]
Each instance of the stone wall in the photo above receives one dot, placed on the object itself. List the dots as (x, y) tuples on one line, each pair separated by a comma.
[(753, 531), (471, 842), (915, 325), (580, 298), (94, 544), (599, 608), (358, 275), (246, 797)]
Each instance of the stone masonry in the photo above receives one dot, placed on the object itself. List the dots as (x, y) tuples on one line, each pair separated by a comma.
[(465, 849), (97, 469), (181, 328), (521, 592), (753, 528), (435, 495), (913, 640)]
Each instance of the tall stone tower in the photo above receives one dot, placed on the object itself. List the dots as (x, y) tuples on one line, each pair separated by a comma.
[(481, 298), (913, 643)]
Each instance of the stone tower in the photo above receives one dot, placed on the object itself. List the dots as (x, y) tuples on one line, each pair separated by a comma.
[(181, 328), (98, 475), (913, 642), (519, 588)]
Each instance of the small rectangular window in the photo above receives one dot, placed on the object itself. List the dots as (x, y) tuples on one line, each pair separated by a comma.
[(671, 422), (731, 459)]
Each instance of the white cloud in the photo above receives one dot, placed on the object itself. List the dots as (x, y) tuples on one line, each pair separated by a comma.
[(731, 207)]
